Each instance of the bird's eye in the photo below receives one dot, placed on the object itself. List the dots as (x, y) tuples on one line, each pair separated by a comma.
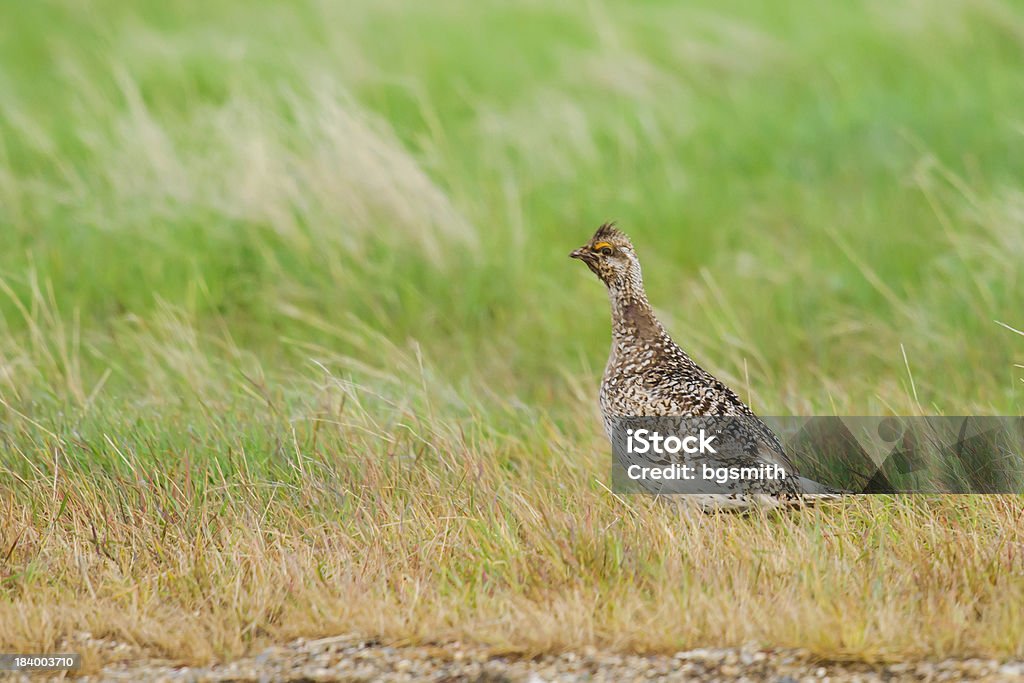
[(607, 251), (603, 248)]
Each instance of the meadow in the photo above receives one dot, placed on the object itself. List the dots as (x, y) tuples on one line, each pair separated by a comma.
[(290, 344)]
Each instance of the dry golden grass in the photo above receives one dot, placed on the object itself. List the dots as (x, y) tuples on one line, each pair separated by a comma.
[(380, 501), (478, 553)]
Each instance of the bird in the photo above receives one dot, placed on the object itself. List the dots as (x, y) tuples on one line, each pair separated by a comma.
[(648, 375)]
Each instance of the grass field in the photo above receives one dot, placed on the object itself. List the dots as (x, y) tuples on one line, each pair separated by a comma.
[(290, 343)]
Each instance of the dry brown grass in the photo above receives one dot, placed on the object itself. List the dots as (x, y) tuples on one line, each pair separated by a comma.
[(379, 503), (478, 553)]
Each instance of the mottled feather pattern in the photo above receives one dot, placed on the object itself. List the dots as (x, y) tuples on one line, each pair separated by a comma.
[(649, 375)]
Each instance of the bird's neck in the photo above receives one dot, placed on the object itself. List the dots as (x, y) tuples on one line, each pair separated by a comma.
[(633, 318)]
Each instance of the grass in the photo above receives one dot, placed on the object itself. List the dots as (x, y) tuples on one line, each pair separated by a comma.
[(290, 345)]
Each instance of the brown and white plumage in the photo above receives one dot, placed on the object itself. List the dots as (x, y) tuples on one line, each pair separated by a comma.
[(649, 375)]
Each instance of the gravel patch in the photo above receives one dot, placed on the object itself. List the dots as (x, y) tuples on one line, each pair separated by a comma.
[(352, 659)]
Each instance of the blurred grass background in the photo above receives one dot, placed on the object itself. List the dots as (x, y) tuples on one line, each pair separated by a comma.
[(809, 186), (274, 247)]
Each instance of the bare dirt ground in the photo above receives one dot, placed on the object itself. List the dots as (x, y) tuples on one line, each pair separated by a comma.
[(356, 659)]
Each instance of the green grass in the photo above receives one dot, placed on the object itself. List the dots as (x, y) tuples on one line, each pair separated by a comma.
[(289, 338)]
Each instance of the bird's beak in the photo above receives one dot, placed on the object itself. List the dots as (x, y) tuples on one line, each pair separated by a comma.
[(583, 254)]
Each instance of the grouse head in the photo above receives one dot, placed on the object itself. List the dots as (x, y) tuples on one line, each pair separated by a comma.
[(609, 254)]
